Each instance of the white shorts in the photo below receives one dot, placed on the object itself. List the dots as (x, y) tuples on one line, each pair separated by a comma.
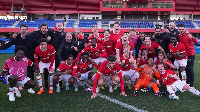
[(99, 60), (21, 82), (178, 85), (107, 79), (84, 76), (42, 66), (178, 63), (130, 73), (65, 77)]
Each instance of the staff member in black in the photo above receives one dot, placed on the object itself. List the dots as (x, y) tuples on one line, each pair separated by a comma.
[(58, 35), (67, 47), (79, 40)]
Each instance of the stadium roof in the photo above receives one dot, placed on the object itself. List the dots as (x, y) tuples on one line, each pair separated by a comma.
[(84, 6)]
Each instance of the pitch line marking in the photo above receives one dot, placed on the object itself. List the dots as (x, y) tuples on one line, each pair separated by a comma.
[(130, 107)]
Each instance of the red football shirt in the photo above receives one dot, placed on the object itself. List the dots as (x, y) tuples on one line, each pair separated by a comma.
[(108, 46), (104, 70), (100, 35), (151, 49), (47, 56), (114, 36), (107, 71), (166, 66), (64, 66), (82, 67), (188, 43), (165, 79), (127, 65), (119, 47), (178, 48), (142, 62), (93, 51)]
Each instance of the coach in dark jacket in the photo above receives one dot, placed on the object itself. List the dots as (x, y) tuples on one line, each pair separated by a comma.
[(67, 47), (171, 30), (139, 43), (32, 43), (58, 35), (158, 37), (79, 40), (18, 39), (35, 36)]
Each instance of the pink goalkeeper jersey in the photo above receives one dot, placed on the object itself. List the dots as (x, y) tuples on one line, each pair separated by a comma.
[(17, 67)]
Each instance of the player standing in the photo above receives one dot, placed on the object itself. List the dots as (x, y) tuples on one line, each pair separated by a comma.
[(95, 34), (187, 39), (151, 46), (177, 49), (119, 47), (96, 52), (107, 43)]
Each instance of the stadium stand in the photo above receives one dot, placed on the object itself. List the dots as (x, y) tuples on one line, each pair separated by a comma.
[(7, 23), (137, 24), (105, 22), (38, 22), (70, 24), (87, 23), (188, 24), (198, 23), (90, 23)]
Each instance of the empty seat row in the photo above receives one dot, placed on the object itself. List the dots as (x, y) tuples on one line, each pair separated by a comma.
[(87, 23), (188, 24), (70, 23)]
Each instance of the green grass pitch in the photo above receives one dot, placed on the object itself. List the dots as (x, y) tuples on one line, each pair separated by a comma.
[(71, 101)]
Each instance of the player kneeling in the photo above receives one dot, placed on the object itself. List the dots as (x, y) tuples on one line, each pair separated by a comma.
[(173, 82), (64, 72), (127, 66), (16, 68), (147, 72), (46, 54), (109, 70), (83, 70)]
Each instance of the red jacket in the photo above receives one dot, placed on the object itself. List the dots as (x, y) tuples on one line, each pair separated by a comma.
[(188, 42)]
